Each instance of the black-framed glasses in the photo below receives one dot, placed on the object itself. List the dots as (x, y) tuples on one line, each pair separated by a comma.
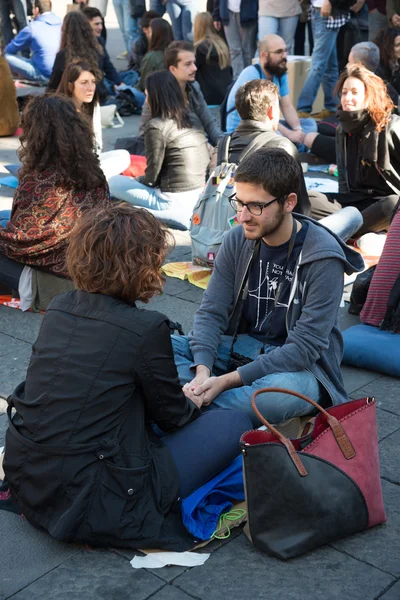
[(254, 208)]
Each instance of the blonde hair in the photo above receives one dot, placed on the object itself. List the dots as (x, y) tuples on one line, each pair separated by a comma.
[(204, 31)]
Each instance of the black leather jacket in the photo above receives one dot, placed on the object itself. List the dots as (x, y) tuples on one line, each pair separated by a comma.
[(177, 159)]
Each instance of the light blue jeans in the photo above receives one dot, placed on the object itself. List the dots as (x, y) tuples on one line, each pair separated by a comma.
[(275, 407), (125, 21), (176, 214), (345, 222), (283, 26), (182, 13), (324, 66), (24, 68)]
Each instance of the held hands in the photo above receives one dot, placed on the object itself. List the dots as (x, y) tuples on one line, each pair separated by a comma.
[(296, 136), (202, 374), (326, 9)]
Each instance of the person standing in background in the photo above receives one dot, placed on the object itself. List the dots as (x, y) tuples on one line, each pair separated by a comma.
[(18, 7), (123, 11), (281, 18), (377, 18), (239, 20), (181, 13)]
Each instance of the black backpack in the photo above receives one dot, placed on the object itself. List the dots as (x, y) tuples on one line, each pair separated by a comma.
[(222, 109)]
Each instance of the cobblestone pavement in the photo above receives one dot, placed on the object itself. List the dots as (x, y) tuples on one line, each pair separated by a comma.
[(33, 566)]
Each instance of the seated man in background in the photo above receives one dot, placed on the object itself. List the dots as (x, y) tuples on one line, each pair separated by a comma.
[(42, 36), (279, 277), (273, 66), (257, 103)]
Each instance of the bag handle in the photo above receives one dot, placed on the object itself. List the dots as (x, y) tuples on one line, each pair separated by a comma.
[(339, 433)]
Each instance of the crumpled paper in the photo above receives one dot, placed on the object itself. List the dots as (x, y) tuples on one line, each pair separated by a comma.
[(157, 560)]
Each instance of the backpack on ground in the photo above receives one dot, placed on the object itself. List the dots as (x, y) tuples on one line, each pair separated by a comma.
[(223, 112), (213, 216)]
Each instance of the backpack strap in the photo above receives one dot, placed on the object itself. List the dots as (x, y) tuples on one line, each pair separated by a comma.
[(259, 142), (223, 149)]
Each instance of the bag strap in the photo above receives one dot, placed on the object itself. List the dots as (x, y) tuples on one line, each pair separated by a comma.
[(339, 433), (256, 144), (223, 149)]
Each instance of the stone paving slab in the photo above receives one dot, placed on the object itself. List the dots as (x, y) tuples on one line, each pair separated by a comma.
[(23, 326), (170, 592), (325, 574), (393, 593), (380, 545), (27, 554), (387, 423), (389, 452), (386, 391), (96, 574)]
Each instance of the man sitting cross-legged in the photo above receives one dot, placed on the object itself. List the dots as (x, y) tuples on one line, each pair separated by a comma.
[(294, 270)]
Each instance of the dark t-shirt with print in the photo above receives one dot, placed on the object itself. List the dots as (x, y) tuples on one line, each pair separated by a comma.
[(265, 322)]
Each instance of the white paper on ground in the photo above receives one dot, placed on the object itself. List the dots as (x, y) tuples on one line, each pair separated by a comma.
[(319, 184), (157, 560)]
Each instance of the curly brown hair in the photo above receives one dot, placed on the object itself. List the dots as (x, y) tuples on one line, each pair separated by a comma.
[(79, 41), (118, 251), (385, 42), (379, 104), (57, 137)]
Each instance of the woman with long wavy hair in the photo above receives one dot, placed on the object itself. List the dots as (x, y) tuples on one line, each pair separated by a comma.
[(59, 180), (214, 72), (367, 151), (78, 42), (101, 376), (79, 83)]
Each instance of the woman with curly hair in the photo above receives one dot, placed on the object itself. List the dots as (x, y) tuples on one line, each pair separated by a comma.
[(59, 180), (98, 471), (367, 151), (214, 71), (78, 41), (79, 83), (388, 42)]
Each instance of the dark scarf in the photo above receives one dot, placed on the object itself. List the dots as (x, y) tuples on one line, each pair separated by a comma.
[(374, 149)]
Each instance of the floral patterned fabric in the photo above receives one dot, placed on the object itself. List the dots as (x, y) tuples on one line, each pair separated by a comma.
[(42, 218)]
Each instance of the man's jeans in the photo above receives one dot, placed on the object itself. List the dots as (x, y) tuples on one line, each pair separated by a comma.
[(283, 26), (242, 42), (24, 68), (127, 26), (324, 66), (182, 13), (275, 407), (158, 6)]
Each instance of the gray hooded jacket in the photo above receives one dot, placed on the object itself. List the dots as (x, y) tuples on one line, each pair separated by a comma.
[(314, 341)]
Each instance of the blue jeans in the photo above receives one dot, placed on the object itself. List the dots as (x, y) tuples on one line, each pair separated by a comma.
[(283, 26), (345, 222), (24, 68), (123, 12), (176, 214), (158, 6), (4, 217), (324, 66), (275, 407), (242, 42), (205, 447), (182, 13)]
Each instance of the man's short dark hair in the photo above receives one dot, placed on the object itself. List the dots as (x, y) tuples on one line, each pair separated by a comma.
[(91, 12), (43, 5), (273, 169), (147, 18), (171, 58), (254, 99)]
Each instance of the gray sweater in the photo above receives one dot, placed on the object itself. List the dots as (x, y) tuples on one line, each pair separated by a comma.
[(314, 341)]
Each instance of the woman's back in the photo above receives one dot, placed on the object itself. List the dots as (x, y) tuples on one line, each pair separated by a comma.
[(213, 80), (177, 158), (152, 61)]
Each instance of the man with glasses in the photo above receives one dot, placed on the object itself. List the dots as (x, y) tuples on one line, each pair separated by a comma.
[(272, 66), (278, 277)]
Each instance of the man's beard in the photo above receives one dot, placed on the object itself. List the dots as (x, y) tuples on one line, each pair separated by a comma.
[(266, 228), (277, 69)]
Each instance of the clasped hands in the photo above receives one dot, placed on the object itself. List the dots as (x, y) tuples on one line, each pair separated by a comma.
[(204, 388)]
